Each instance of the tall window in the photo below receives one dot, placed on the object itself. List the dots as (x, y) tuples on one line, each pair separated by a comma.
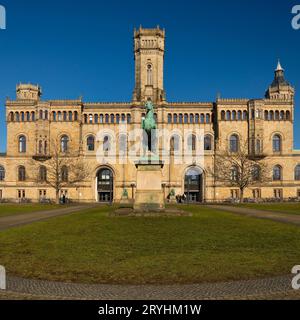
[(40, 147), (208, 142), (149, 75), (106, 143), (234, 173), (2, 173), (64, 174), (21, 174), (43, 174), (123, 143), (234, 143), (174, 143), (186, 118), (191, 141), (64, 143), (90, 143), (297, 172), (277, 143), (70, 116), (256, 173), (277, 173), (22, 144), (169, 118)]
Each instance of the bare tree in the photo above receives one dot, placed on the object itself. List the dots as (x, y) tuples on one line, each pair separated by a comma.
[(240, 169), (63, 168)]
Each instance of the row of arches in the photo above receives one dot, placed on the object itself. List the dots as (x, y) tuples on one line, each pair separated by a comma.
[(107, 118), (234, 115), (277, 115), (189, 118)]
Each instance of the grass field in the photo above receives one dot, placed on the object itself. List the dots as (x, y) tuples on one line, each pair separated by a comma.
[(293, 208), (11, 209), (94, 248)]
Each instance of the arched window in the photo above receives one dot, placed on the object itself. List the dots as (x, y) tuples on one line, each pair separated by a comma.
[(297, 172), (17, 116), (11, 116), (64, 143), (276, 143), (22, 116), (22, 144), (112, 118), (117, 118), (32, 116), (276, 115), (175, 118), (90, 143), (75, 115), (281, 116), (239, 115), (123, 143), (233, 115), (191, 118), (208, 142), (59, 117), (191, 142), (2, 173), (54, 116), (180, 118), (277, 173), (234, 143), (169, 118), (207, 120), (128, 118), (43, 174), (149, 75), (186, 118), (96, 118), (45, 147), (222, 115), (266, 115), (65, 115), (64, 174), (228, 115), (288, 115), (256, 173), (245, 115), (106, 143), (175, 143), (21, 173), (41, 114), (70, 116), (123, 118), (46, 115), (91, 118), (201, 118), (271, 115), (196, 118)]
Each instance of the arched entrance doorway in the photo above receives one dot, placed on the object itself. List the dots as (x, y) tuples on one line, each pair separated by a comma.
[(105, 185), (193, 185)]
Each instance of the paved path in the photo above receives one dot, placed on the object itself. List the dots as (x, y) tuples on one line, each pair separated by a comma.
[(248, 289), (22, 219), (262, 214)]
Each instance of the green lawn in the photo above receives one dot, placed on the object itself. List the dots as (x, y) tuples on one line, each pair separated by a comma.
[(293, 208), (11, 209), (94, 248)]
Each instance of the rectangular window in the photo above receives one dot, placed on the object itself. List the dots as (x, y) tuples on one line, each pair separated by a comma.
[(234, 193), (278, 193), (21, 194), (256, 193)]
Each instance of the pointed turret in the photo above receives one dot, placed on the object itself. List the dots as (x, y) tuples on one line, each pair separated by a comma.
[(280, 88)]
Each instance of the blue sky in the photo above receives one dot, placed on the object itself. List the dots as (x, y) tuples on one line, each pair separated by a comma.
[(74, 48)]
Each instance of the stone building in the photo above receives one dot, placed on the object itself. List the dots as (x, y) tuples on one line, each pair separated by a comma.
[(101, 134)]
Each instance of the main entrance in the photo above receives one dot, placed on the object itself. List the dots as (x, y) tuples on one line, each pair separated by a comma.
[(193, 185), (105, 185)]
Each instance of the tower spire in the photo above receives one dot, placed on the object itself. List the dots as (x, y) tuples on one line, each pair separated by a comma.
[(279, 67)]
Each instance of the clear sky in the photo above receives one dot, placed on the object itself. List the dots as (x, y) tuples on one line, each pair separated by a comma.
[(74, 48)]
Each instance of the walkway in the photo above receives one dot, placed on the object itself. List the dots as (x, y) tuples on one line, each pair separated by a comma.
[(248, 289), (22, 219), (261, 214)]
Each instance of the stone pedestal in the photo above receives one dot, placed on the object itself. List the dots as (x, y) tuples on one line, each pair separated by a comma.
[(149, 194)]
